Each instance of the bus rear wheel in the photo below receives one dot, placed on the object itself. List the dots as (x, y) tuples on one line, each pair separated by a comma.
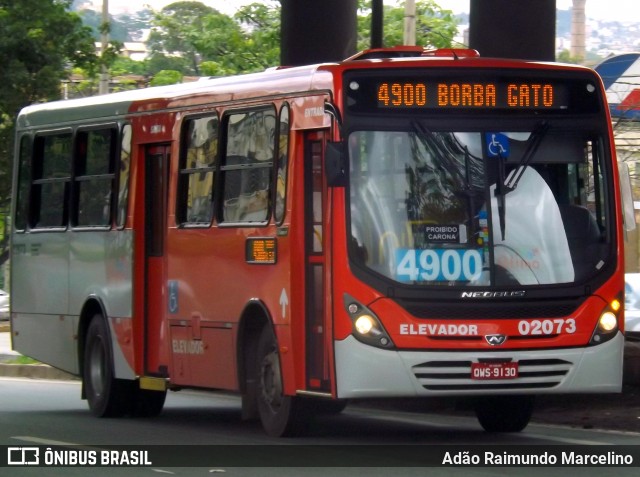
[(504, 413), (107, 396), (280, 415)]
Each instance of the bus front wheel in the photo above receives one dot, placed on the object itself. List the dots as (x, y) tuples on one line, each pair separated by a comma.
[(280, 415), (107, 396), (504, 413)]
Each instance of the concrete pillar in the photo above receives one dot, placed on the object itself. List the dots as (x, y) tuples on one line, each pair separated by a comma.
[(578, 27), (513, 29), (317, 31)]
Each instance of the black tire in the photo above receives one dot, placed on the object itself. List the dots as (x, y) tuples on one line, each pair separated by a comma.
[(280, 415), (504, 413), (107, 396)]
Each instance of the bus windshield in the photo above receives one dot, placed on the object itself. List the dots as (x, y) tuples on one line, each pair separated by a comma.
[(479, 208)]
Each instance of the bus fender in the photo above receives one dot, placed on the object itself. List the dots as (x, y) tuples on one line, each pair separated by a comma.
[(254, 317), (94, 305)]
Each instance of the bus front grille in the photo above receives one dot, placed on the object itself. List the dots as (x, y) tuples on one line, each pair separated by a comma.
[(456, 375)]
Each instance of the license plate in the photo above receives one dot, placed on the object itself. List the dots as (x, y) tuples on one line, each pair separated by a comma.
[(494, 370)]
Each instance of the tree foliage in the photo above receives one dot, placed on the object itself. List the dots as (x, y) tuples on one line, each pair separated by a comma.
[(249, 41), (39, 40), (261, 25), (435, 26), (93, 19), (216, 44), (177, 30), (166, 77)]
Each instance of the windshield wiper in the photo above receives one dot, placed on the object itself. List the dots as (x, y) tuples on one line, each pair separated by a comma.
[(501, 192), (428, 139), (532, 147), (503, 187)]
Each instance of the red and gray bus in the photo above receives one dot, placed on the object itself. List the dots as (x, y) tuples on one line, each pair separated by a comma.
[(402, 224)]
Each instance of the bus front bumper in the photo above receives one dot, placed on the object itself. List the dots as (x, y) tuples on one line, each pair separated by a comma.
[(367, 372)]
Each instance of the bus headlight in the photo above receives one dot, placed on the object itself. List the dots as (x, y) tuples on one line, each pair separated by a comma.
[(365, 324), (367, 328), (607, 326), (608, 322)]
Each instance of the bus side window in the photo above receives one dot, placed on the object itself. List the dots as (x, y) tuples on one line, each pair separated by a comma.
[(198, 163), (94, 177), (247, 167), (24, 181), (51, 177)]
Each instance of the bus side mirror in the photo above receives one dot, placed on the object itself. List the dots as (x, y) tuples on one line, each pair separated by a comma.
[(334, 164)]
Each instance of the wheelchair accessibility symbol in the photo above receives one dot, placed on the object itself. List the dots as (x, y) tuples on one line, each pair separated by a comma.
[(497, 145)]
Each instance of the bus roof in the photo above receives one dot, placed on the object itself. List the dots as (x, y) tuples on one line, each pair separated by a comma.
[(277, 81), (272, 82)]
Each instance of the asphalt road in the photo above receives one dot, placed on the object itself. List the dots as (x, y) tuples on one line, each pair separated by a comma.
[(50, 413), (619, 412)]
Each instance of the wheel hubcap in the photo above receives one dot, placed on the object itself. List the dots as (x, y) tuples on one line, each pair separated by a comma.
[(271, 383)]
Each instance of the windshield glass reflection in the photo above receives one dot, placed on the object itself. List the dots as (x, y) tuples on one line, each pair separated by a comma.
[(476, 208)]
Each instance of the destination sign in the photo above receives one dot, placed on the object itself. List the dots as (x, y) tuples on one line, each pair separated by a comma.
[(412, 94), (429, 91)]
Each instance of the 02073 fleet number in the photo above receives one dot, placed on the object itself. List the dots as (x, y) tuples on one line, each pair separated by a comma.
[(547, 327)]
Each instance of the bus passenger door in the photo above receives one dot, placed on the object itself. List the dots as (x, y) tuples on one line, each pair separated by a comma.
[(155, 204), (318, 378)]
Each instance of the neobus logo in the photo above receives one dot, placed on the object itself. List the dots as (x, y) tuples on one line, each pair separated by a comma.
[(494, 294)]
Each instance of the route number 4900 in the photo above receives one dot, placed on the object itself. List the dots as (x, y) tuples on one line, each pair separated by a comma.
[(438, 265)]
